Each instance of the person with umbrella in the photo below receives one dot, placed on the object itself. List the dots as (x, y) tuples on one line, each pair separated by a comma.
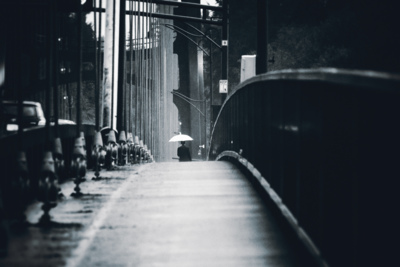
[(184, 152)]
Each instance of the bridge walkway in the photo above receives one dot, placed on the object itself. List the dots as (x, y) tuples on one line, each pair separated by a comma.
[(158, 214)]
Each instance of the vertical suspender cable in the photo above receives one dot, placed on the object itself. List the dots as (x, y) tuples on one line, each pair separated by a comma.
[(211, 86), (136, 93), (148, 90), (152, 76), (79, 72), (262, 37), (153, 112), (19, 83), (137, 72), (100, 98), (162, 85), (96, 69), (126, 82), (148, 75), (55, 67), (121, 85), (154, 84), (113, 69), (141, 101), (149, 70), (143, 79), (125, 73), (225, 33), (141, 76), (129, 115), (68, 71), (160, 136), (108, 65), (162, 116), (130, 66), (146, 136), (49, 70), (159, 91), (145, 73), (154, 48)]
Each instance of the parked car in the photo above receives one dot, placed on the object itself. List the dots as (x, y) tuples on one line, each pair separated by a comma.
[(32, 115)]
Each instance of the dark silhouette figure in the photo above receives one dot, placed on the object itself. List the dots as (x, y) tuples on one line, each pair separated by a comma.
[(184, 153)]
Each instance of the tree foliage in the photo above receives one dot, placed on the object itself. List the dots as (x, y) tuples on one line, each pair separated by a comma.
[(317, 33)]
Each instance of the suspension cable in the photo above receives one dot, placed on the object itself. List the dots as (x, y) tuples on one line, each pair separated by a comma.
[(188, 98), (100, 99), (188, 102), (79, 71), (96, 70), (129, 119), (190, 39)]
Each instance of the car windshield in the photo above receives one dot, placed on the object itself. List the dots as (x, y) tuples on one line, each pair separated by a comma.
[(12, 111)]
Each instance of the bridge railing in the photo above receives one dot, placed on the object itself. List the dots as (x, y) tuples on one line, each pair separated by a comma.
[(325, 144), (35, 174), (34, 144)]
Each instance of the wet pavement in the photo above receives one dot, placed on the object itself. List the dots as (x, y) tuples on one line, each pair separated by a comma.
[(157, 214), (52, 246)]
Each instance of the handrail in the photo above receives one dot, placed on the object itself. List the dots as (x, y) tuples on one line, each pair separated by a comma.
[(369, 79), (360, 78), (324, 140)]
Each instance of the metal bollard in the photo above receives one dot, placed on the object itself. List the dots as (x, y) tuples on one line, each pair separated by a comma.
[(20, 191), (23, 177), (4, 231), (141, 153), (137, 150), (145, 154), (48, 187), (149, 156), (78, 165), (98, 155), (122, 149), (112, 151), (59, 159), (130, 148)]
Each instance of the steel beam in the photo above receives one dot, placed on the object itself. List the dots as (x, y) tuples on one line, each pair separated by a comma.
[(262, 37), (166, 16), (121, 70), (225, 32), (182, 4)]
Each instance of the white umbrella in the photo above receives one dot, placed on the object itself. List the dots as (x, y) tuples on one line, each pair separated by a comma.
[(180, 137)]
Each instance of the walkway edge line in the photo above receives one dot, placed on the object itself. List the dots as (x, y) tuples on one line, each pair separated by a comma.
[(287, 214), (89, 234)]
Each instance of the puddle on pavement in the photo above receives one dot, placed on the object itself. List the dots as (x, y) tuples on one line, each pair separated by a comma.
[(89, 196), (80, 211), (53, 224)]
